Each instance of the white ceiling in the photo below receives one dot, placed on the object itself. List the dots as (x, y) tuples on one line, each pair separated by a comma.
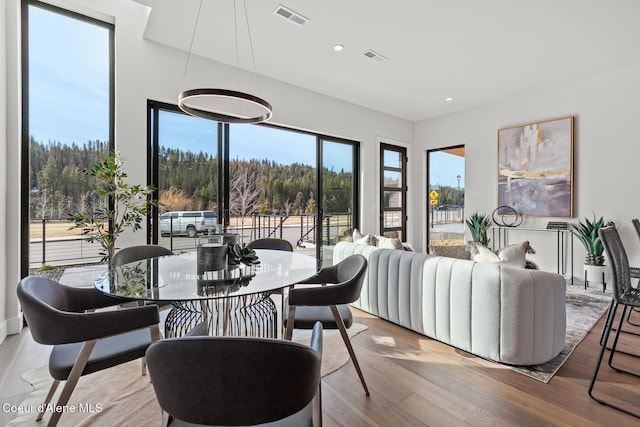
[(476, 51)]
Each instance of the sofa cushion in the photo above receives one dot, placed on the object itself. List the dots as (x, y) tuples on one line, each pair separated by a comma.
[(388, 242), (481, 253), (361, 239), (514, 255)]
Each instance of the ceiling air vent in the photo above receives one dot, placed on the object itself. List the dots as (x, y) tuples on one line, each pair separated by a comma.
[(290, 15), (375, 56)]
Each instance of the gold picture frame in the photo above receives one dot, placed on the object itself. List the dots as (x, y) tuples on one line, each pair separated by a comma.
[(535, 168)]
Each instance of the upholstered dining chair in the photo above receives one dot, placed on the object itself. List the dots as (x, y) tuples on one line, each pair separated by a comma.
[(137, 253), (340, 285), (237, 380), (83, 341), (623, 294), (278, 245), (271, 243)]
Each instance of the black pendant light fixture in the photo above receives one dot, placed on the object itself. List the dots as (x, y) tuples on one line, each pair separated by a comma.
[(216, 104)]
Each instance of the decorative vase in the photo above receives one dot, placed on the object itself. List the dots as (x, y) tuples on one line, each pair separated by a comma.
[(211, 257)]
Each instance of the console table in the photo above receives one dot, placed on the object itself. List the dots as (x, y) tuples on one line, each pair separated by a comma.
[(561, 244)]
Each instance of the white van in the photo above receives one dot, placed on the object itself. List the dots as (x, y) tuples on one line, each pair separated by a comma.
[(190, 223)]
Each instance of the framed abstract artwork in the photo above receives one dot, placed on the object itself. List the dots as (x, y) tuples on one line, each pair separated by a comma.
[(535, 168)]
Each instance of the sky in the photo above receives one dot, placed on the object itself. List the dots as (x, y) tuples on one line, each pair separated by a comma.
[(68, 79), (68, 101), (444, 169)]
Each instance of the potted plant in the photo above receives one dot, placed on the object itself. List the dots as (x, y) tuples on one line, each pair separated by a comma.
[(240, 253), (126, 205), (478, 225), (587, 232)]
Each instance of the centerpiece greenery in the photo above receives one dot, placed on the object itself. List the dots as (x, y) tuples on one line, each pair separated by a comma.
[(124, 206), (478, 225), (587, 233), (242, 254)]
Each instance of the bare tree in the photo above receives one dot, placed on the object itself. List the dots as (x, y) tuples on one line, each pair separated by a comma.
[(244, 193), (287, 208)]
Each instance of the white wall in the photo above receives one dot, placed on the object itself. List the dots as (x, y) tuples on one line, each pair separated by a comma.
[(146, 70), (606, 153), (10, 318)]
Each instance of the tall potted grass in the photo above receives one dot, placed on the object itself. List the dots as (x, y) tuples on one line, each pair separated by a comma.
[(587, 232), (478, 225)]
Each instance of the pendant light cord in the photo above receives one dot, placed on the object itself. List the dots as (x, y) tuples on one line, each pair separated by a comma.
[(253, 59), (193, 36)]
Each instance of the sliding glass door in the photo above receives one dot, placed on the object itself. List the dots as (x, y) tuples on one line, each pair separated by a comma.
[(339, 210), (270, 182), (186, 178)]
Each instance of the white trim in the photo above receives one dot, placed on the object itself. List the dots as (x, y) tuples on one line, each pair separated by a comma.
[(10, 327)]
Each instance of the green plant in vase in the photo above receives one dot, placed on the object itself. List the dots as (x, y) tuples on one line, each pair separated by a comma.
[(587, 233), (125, 206), (478, 225), (242, 254)]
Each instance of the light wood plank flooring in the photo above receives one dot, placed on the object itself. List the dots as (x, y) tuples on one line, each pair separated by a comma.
[(415, 381)]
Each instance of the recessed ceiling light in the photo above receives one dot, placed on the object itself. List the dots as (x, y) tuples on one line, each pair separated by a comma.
[(449, 99), (338, 47)]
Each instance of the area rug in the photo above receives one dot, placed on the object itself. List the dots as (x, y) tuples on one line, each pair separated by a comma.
[(584, 308), (121, 396)]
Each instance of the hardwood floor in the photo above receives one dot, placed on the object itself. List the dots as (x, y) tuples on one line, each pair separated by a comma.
[(416, 381)]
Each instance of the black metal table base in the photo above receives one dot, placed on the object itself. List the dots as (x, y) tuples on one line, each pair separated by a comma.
[(248, 315)]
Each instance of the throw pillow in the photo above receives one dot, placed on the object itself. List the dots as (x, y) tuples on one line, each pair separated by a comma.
[(361, 239), (515, 254), (481, 253), (388, 242)]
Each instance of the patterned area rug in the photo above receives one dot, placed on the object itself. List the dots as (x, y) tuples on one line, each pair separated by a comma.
[(121, 396), (584, 308)]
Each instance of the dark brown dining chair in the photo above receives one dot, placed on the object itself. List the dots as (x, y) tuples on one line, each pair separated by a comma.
[(271, 243), (83, 341), (340, 285), (278, 245), (137, 253), (235, 381), (625, 295)]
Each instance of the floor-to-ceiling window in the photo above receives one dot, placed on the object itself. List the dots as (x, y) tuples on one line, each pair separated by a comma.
[(445, 197), (67, 125), (393, 191), (271, 181), (186, 162)]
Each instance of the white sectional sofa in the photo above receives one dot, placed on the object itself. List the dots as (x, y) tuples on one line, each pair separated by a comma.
[(502, 313)]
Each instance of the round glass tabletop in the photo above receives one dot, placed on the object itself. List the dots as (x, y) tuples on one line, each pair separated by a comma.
[(175, 277)]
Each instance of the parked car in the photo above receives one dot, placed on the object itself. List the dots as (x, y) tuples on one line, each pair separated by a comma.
[(190, 223), (448, 207)]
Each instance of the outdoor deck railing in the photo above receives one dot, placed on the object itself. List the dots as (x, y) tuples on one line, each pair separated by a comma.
[(53, 241)]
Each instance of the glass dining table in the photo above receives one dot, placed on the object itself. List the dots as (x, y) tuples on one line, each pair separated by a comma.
[(235, 300)]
